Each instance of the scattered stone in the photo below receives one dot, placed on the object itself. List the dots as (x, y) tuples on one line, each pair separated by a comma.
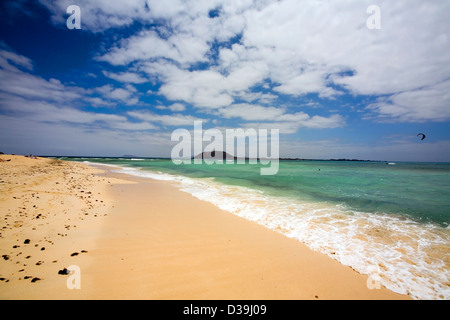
[(64, 271), (5, 256), (35, 279), (43, 248), (27, 241), (84, 251), (74, 254)]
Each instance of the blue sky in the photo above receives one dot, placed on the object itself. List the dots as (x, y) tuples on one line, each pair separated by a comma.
[(139, 69)]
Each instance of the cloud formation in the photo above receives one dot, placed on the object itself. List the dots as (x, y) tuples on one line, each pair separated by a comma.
[(292, 65), (308, 47), (36, 99), (429, 103)]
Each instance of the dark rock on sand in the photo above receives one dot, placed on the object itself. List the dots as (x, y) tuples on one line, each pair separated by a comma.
[(64, 271)]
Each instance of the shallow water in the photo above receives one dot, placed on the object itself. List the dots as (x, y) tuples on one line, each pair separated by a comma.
[(391, 220)]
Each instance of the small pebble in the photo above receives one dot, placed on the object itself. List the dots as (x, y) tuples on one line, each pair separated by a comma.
[(63, 271)]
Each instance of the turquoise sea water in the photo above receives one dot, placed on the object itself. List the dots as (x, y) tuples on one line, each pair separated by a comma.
[(388, 220)]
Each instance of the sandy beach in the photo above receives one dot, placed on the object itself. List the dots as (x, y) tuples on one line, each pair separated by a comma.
[(136, 238)]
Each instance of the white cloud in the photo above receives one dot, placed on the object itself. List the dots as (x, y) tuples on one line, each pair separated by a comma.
[(263, 98), (98, 102), (278, 118), (147, 45), (24, 136), (285, 48), (126, 77), (34, 99), (307, 82), (291, 123), (23, 84), (250, 112), (132, 126), (312, 46), (7, 58), (176, 107), (167, 120), (126, 95), (301, 46), (207, 88), (421, 105), (201, 88), (99, 15), (47, 112)]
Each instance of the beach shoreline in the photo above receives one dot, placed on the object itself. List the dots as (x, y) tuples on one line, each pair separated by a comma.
[(148, 240)]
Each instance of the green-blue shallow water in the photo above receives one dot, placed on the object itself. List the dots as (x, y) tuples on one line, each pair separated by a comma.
[(418, 190), (391, 216)]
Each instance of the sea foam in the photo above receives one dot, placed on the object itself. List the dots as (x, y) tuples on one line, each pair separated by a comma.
[(408, 257)]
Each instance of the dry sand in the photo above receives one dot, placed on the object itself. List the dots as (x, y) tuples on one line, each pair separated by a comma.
[(138, 238)]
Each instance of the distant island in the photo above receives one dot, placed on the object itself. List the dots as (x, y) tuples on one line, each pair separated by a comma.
[(226, 156), (215, 155), (342, 159)]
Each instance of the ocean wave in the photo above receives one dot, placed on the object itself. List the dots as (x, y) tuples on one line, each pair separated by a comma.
[(147, 174), (104, 165), (409, 257)]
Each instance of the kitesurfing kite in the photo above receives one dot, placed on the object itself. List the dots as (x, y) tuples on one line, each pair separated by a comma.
[(421, 134)]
